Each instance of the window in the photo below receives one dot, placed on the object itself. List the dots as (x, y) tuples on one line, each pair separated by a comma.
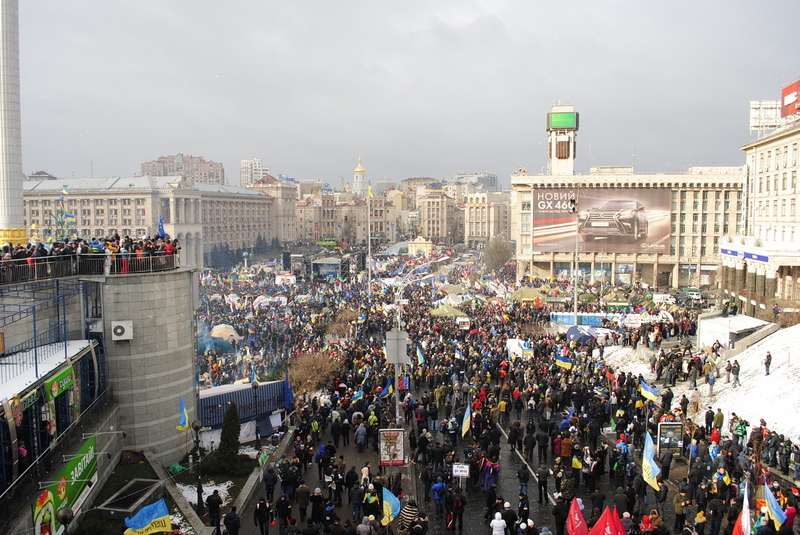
[(112, 202), (98, 202), (126, 202), (33, 203), (98, 222), (126, 211), (112, 211), (785, 181), (99, 211), (140, 211)]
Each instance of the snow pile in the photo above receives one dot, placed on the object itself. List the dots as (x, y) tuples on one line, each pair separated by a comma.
[(773, 398)]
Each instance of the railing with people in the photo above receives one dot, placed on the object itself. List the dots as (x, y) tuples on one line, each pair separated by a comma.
[(53, 267)]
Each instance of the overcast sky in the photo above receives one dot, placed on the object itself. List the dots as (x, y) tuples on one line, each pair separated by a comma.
[(416, 88)]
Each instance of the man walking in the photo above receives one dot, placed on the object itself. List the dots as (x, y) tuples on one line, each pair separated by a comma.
[(213, 503), (767, 361), (262, 516), (233, 522)]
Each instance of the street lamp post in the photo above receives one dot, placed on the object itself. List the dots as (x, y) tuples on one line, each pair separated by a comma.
[(574, 209), (255, 386), (196, 426)]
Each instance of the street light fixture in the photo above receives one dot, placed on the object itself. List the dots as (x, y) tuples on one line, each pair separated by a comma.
[(574, 208), (255, 386), (196, 426)]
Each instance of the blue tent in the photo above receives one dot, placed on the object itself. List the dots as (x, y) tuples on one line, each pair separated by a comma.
[(580, 333)]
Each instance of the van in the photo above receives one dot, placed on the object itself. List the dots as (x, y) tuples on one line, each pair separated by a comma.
[(695, 296), (664, 299)]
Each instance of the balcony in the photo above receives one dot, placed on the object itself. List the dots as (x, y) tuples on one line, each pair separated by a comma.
[(38, 269)]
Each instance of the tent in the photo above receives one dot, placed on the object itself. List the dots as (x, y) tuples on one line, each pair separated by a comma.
[(580, 333), (211, 343), (527, 294), (224, 331), (447, 311), (587, 298)]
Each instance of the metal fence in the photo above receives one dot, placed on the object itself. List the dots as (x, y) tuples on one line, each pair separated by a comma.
[(22, 357), (32, 269)]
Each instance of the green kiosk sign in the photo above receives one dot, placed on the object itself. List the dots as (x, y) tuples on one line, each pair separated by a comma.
[(69, 489), (59, 383)]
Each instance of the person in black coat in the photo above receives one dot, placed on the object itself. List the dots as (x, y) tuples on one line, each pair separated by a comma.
[(262, 516), (560, 514), (233, 521)]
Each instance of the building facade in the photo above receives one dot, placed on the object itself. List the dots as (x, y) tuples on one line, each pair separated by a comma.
[(663, 230), (199, 216), (485, 181), (193, 168), (486, 215), (251, 171), (438, 217), (763, 264), (284, 193)]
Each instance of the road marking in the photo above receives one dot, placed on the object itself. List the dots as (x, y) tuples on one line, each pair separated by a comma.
[(516, 450)]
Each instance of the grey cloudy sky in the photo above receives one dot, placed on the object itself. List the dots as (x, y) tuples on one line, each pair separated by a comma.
[(416, 88)]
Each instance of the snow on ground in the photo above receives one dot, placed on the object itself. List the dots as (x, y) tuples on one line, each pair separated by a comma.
[(775, 398), (190, 491)]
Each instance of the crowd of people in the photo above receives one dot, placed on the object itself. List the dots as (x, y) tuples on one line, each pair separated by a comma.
[(574, 419)]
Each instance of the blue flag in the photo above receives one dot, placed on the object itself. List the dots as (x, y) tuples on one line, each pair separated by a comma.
[(184, 425), (565, 422), (288, 393), (420, 357), (358, 395), (155, 517), (161, 226)]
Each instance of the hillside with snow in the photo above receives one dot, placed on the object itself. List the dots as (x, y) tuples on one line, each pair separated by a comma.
[(775, 398)]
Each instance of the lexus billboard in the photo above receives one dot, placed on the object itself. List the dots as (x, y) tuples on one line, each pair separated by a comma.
[(629, 220)]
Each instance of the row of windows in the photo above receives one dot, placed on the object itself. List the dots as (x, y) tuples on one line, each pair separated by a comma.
[(780, 157), (763, 208), (777, 182)]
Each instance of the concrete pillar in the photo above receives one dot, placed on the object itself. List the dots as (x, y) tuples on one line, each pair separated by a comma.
[(770, 283), (760, 275), (12, 220)]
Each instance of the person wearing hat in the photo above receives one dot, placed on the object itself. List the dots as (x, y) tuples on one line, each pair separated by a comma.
[(498, 525), (680, 502), (262, 516), (560, 513), (458, 504), (509, 517), (302, 494)]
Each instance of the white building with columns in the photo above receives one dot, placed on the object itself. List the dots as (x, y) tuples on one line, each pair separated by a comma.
[(200, 216)]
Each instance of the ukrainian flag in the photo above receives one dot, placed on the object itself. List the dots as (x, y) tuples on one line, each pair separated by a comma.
[(420, 357), (391, 506), (459, 354), (184, 425), (466, 422), (358, 395), (648, 391), (564, 362), (775, 511), (372, 196), (387, 391), (150, 519)]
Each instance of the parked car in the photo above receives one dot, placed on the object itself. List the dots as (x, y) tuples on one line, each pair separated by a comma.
[(617, 218)]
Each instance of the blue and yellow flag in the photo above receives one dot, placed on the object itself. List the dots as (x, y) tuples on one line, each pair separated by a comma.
[(564, 362), (649, 392), (650, 469), (391, 506), (420, 357), (372, 196), (459, 354), (184, 425), (387, 390), (467, 421), (150, 519), (775, 511), (358, 395)]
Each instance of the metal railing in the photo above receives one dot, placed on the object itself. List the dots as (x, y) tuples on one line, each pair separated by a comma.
[(25, 487), (22, 357), (33, 269)]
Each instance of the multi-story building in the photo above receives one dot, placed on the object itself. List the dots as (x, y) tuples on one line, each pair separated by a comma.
[(659, 229), (414, 188), (308, 214), (346, 217), (438, 216), (485, 181), (486, 215), (285, 193), (251, 171), (195, 169), (199, 216), (763, 263)]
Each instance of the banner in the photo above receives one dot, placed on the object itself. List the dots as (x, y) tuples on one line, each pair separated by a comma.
[(390, 447), (152, 518), (70, 489), (576, 524), (59, 383)]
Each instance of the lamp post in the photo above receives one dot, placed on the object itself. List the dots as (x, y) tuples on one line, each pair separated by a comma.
[(574, 209), (65, 515), (196, 426), (255, 386)]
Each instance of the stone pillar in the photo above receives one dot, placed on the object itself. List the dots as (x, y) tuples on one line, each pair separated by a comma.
[(760, 275), (770, 283), (12, 220), (738, 282)]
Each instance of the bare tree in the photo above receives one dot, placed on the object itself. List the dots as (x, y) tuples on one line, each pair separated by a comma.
[(497, 252), (311, 371)]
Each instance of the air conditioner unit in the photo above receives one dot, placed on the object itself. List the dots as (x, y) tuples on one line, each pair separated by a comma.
[(121, 330)]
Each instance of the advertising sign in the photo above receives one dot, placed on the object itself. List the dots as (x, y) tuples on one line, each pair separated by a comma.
[(670, 437), (57, 384), (70, 489), (789, 99), (619, 220), (390, 446)]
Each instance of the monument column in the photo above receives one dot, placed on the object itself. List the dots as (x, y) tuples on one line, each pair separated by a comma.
[(12, 220)]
